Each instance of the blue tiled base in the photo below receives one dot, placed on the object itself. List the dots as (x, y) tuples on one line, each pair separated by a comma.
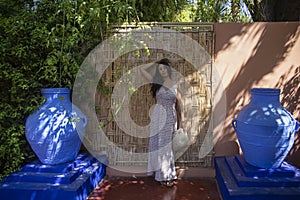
[(70, 181), (239, 180)]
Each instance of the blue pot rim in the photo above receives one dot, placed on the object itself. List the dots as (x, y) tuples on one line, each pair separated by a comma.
[(55, 90), (266, 91)]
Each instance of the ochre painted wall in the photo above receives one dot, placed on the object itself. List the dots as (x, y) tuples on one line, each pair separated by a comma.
[(251, 55)]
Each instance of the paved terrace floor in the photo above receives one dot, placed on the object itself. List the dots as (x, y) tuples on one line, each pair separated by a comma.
[(192, 186)]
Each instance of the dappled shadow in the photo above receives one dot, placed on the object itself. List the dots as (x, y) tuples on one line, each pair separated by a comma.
[(290, 90), (269, 52)]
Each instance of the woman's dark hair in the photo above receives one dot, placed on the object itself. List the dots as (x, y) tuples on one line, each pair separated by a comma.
[(157, 79)]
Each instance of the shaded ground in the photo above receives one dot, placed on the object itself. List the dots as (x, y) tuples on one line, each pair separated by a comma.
[(145, 188)]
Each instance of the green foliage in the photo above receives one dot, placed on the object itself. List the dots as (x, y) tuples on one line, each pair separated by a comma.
[(220, 11), (42, 45), (158, 10)]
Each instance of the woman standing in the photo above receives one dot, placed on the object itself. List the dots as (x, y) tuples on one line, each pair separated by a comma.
[(163, 122)]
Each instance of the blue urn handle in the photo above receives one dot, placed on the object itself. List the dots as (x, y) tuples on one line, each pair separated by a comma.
[(297, 126), (84, 120), (233, 123)]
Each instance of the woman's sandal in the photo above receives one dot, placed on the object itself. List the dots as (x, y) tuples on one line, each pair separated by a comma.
[(168, 184), (163, 183)]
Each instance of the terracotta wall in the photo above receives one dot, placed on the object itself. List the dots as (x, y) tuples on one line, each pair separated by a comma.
[(251, 55)]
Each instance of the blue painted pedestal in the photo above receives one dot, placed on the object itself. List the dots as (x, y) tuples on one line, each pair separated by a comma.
[(240, 180), (69, 181)]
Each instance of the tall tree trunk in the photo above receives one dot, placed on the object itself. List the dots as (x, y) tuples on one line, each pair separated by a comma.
[(287, 10), (274, 10)]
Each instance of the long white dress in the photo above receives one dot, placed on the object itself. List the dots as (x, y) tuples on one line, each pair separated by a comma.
[(162, 125)]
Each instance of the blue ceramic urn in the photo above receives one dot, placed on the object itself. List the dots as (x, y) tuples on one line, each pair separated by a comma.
[(55, 129), (265, 129)]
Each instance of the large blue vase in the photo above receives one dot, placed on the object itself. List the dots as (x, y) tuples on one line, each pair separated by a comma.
[(55, 129), (265, 129)]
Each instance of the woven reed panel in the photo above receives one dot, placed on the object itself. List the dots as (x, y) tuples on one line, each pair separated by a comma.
[(197, 97)]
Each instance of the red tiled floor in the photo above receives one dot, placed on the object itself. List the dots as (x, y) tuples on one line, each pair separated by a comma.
[(145, 188)]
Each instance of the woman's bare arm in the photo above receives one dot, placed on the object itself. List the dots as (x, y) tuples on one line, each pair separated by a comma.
[(144, 71)]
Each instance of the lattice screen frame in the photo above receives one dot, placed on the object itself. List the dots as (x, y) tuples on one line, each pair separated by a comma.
[(141, 101)]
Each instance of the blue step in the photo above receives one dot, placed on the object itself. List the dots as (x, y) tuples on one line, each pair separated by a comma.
[(286, 170), (239, 180), (69, 181)]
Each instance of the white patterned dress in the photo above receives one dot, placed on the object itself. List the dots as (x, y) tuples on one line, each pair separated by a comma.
[(162, 125)]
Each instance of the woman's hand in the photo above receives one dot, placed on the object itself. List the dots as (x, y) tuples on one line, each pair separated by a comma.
[(144, 71), (182, 125)]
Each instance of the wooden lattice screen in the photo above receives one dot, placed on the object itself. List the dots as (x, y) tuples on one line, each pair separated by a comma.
[(198, 96)]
